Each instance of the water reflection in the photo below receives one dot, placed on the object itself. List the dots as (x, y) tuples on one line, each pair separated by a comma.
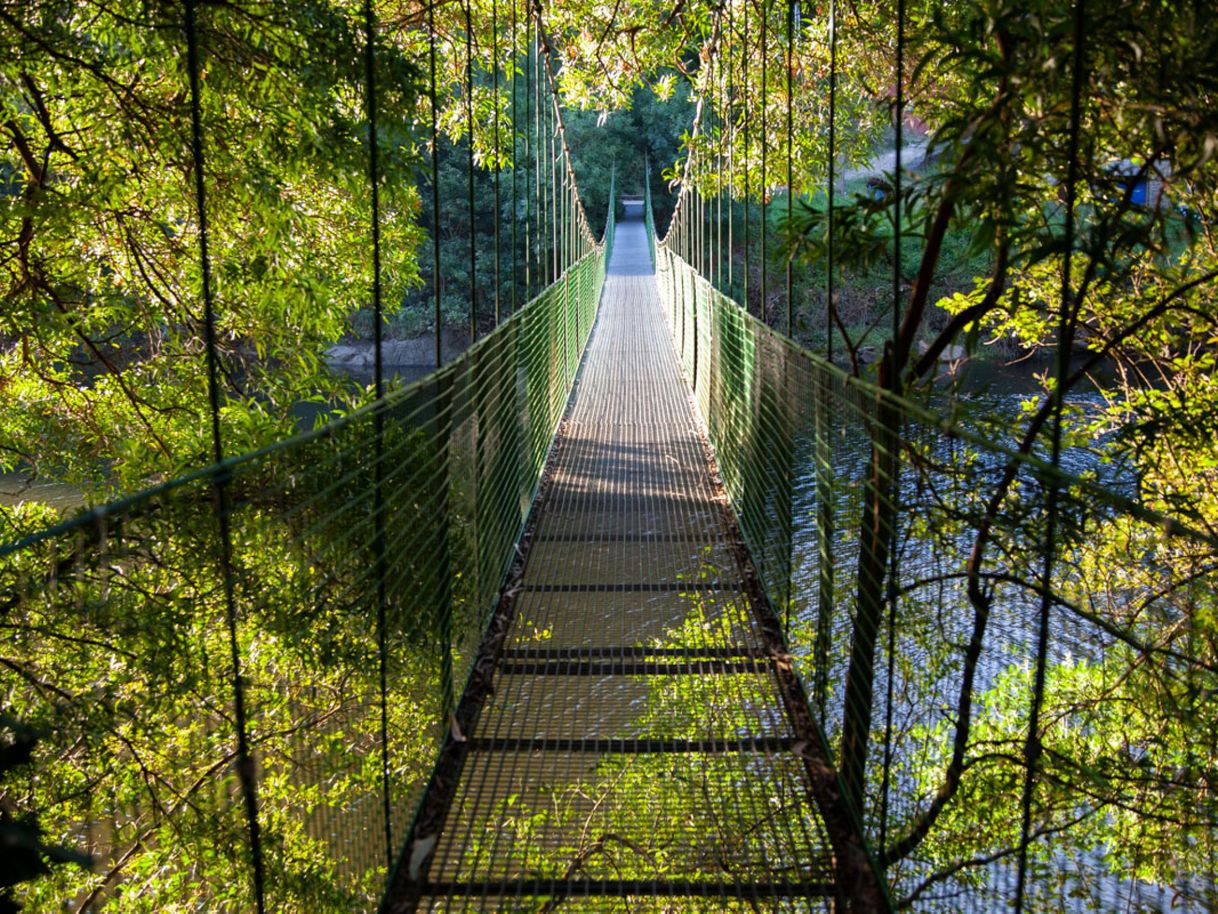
[(17, 488)]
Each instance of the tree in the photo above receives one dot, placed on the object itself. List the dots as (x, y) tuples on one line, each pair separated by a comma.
[(101, 325)]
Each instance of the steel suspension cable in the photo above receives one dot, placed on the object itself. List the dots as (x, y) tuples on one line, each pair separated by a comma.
[(731, 149), (538, 161), (245, 762), (548, 189), (435, 184), (826, 578), (495, 136), (830, 235), (745, 125), (378, 505), (700, 228), (469, 184), (790, 277), (790, 62), (687, 227), (544, 238), (515, 159), (446, 664), (552, 189), (547, 177), (763, 306), (579, 216), (896, 359), (561, 192), (718, 107), (897, 184), (1065, 340), (567, 236), (683, 232), (530, 165)]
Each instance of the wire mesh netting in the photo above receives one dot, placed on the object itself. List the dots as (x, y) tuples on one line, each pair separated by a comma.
[(117, 647), (903, 544)]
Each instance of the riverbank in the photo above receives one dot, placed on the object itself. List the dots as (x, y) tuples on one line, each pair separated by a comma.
[(408, 360), (16, 488)]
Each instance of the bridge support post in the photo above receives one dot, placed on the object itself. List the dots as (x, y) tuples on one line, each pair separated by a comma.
[(694, 279), (566, 327)]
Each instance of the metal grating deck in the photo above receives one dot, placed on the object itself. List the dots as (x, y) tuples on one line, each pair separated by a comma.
[(633, 751)]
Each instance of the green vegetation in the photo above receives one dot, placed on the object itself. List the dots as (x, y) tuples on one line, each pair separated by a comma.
[(1023, 231), (1054, 622), (104, 380)]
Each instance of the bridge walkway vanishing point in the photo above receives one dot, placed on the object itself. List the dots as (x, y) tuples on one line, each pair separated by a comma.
[(636, 735)]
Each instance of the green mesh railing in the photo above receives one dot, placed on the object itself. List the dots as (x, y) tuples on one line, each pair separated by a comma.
[(863, 513), (116, 651), (649, 214)]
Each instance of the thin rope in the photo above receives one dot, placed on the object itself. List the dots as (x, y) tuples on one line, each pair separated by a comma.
[(378, 508), (245, 766), (1065, 341), (435, 186)]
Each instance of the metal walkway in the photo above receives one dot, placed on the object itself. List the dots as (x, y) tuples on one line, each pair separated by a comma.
[(634, 748)]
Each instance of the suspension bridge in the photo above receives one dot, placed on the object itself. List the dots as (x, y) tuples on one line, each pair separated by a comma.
[(633, 573), (635, 605)]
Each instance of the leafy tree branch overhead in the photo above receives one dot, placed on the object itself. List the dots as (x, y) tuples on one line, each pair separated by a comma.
[(99, 257)]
